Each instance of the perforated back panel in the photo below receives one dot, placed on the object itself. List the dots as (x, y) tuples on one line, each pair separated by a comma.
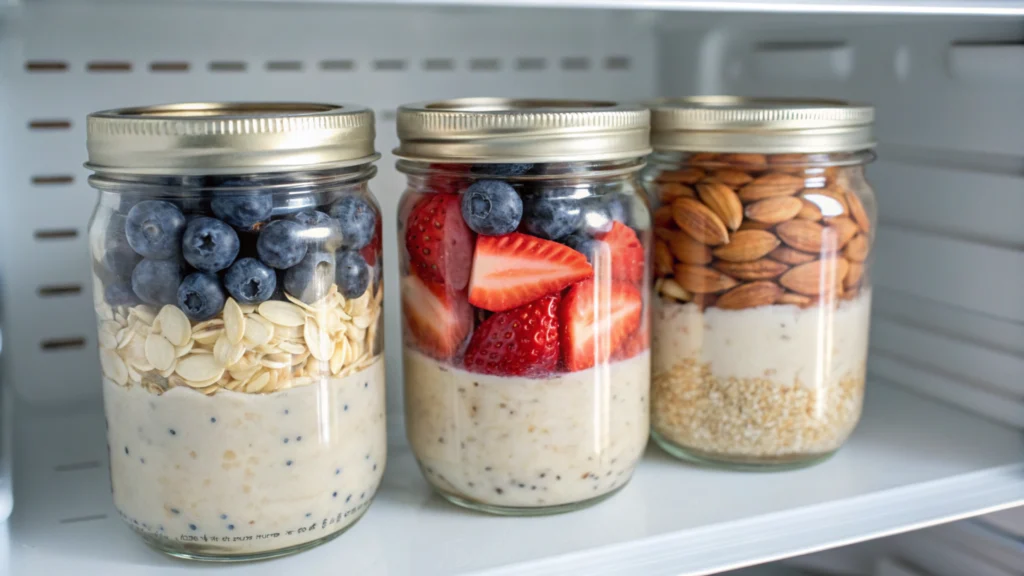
[(63, 60), (949, 268)]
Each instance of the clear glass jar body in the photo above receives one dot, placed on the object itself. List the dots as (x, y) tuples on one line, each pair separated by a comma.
[(526, 354), (240, 339), (762, 304)]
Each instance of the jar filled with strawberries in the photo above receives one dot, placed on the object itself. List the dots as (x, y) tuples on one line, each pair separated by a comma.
[(524, 237), (764, 225)]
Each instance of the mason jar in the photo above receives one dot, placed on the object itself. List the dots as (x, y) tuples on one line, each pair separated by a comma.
[(236, 259), (764, 224), (524, 238)]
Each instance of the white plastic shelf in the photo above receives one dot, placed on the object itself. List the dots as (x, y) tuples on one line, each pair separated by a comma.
[(911, 463)]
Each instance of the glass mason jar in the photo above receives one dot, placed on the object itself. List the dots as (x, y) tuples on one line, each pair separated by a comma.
[(236, 254), (524, 299), (764, 226)]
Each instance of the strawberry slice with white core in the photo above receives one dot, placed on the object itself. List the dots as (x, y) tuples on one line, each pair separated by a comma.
[(437, 318), (514, 269), (597, 317)]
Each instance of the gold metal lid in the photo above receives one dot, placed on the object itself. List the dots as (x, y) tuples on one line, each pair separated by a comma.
[(762, 125), (500, 130), (229, 138)]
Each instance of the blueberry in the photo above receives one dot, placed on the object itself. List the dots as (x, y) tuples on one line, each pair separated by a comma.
[(321, 230), (287, 205), (209, 244), (596, 217), (243, 210), (492, 207), (358, 220), (281, 244), (156, 281), (618, 207), (120, 294), (311, 278), (583, 244), (118, 257), (154, 229), (502, 169), (352, 275), (552, 214), (200, 296), (250, 281)]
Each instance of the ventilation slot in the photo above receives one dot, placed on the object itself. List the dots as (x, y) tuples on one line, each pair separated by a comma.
[(168, 66), (49, 125), (60, 290), (284, 66), (227, 66), (337, 65), (388, 115), (46, 66), (51, 180), (56, 234), (109, 66), (389, 65), (576, 63), (83, 519), (484, 64), (531, 64), (438, 64), (76, 466), (617, 63), (55, 344)]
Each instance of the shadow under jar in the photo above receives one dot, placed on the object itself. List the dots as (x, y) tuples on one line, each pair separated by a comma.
[(764, 226), (524, 299), (236, 264)]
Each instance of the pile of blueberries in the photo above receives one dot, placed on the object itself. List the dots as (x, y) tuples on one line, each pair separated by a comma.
[(159, 253), (570, 215)]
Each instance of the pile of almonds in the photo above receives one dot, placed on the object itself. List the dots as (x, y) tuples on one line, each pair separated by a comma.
[(745, 230), (252, 349)]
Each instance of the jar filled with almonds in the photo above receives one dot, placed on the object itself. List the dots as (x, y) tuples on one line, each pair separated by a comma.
[(236, 257), (764, 226)]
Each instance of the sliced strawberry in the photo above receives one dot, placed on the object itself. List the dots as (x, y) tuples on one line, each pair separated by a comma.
[(440, 244), (518, 342), (511, 270), (596, 319), (437, 318), (636, 343), (370, 251), (627, 253)]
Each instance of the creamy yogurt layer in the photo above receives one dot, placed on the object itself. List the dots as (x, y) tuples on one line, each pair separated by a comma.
[(247, 473), (524, 442)]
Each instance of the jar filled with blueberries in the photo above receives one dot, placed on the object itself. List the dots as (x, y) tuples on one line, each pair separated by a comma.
[(524, 238), (236, 257)]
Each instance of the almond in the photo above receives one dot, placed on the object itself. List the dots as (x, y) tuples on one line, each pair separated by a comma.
[(666, 234), (663, 216), (838, 194), (857, 249), (790, 256), (755, 225), (662, 258), (854, 276), (771, 186), (722, 201), (803, 235), (809, 211), (774, 210), (732, 178), (687, 250), (818, 278), (827, 204), (845, 229), (701, 280), (669, 191), (747, 245), (684, 176), (669, 287), (794, 298), (763, 269), (755, 161), (788, 163), (857, 211), (750, 295), (699, 221), (702, 158)]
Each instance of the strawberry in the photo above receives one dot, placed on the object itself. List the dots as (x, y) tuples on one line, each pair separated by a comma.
[(519, 342), (439, 243), (636, 343), (627, 253), (596, 319), (370, 251), (437, 318), (511, 270)]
